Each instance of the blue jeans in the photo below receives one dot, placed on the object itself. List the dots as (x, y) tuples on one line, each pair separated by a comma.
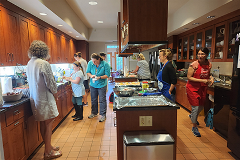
[(101, 92)]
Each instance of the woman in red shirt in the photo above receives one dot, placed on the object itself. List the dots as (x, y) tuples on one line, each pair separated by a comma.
[(198, 80)]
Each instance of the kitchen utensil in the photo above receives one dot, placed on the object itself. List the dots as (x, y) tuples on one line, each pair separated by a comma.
[(123, 91), (222, 43), (220, 54), (151, 90), (232, 41), (12, 98)]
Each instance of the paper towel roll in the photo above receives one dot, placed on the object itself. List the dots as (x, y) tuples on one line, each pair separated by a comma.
[(1, 100), (6, 85)]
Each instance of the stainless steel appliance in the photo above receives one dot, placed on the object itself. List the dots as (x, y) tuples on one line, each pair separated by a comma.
[(146, 145), (233, 141)]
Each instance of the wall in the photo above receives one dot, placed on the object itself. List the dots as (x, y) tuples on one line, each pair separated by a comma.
[(96, 47)]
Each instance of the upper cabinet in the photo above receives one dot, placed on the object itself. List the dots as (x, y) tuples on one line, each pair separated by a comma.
[(217, 35), (143, 24), (9, 26)]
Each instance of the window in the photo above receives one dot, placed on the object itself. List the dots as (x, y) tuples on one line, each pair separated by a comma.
[(109, 59), (119, 63)]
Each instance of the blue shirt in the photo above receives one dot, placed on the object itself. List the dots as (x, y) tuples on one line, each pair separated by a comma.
[(78, 89), (101, 70)]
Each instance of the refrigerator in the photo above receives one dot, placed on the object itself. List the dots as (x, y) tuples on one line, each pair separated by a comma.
[(233, 141), (154, 65)]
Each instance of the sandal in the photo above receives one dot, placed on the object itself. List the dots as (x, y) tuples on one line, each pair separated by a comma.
[(56, 148), (52, 156)]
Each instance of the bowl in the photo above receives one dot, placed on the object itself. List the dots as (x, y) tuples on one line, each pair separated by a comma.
[(12, 98), (123, 91), (151, 90)]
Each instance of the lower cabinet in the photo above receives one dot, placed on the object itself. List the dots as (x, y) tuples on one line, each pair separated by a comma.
[(21, 133), (181, 94), (17, 140)]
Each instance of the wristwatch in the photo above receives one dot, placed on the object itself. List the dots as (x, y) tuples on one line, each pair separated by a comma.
[(100, 77)]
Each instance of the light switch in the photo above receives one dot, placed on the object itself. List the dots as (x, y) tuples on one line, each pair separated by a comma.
[(148, 120), (142, 121)]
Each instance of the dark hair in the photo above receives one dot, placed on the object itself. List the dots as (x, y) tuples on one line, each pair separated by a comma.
[(78, 54), (78, 64), (96, 56), (102, 54), (204, 50)]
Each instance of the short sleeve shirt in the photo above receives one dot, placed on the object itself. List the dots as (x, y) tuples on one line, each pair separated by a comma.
[(78, 89)]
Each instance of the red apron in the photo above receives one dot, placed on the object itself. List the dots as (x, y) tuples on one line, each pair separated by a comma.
[(197, 91)]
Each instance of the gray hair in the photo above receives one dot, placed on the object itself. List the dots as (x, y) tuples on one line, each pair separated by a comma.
[(38, 49)]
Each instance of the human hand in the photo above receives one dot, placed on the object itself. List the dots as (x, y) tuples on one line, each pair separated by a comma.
[(97, 78), (211, 81), (205, 81), (169, 92), (93, 76), (64, 77)]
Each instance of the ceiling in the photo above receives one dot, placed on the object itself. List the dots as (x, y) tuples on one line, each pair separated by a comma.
[(80, 19)]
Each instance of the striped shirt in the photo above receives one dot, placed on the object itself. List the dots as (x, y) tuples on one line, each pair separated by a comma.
[(143, 71)]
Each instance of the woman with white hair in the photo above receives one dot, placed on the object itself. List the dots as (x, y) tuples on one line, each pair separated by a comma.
[(142, 68), (42, 88)]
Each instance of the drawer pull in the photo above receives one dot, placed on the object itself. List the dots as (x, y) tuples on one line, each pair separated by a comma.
[(16, 123)]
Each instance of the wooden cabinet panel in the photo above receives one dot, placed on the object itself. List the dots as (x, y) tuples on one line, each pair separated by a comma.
[(48, 42), (37, 32), (17, 137), (11, 37), (181, 95), (14, 114), (56, 49), (83, 46), (64, 104), (4, 56), (64, 58), (33, 130), (6, 144), (72, 51), (25, 38)]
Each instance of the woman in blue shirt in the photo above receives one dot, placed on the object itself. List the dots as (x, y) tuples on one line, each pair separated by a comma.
[(98, 71), (78, 89)]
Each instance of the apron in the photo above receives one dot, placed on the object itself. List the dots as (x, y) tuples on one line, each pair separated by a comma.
[(197, 91), (163, 86)]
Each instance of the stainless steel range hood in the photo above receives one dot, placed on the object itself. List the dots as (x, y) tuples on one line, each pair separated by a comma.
[(140, 46)]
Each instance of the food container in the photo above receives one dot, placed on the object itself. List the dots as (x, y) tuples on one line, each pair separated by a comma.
[(145, 85), (151, 90), (123, 91), (12, 98)]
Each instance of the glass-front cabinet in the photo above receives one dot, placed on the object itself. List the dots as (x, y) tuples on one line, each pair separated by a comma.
[(208, 41), (219, 41), (191, 47), (179, 57), (185, 48), (234, 28), (199, 41)]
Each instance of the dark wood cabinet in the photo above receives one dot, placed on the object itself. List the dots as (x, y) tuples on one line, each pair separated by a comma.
[(181, 94), (17, 140), (49, 44), (83, 46), (24, 25), (37, 31), (10, 28), (56, 49), (4, 55)]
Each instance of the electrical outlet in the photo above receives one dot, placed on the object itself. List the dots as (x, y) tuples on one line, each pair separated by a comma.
[(148, 120), (142, 121)]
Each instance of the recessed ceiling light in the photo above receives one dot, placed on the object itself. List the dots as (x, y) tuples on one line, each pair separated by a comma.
[(195, 23), (77, 36), (69, 32), (99, 21), (60, 25), (92, 3), (210, 16), (43, 14)]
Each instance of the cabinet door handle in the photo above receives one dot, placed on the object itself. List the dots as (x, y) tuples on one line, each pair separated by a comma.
[(12, 57), (16, 112), (16, 123), (9, 57)]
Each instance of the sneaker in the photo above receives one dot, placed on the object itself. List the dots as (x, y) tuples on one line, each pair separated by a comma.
[(196, 132), (103, 118), (92, 116), (85, 104), (190, 118)]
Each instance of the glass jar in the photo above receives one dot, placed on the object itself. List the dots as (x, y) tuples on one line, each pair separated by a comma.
[(144, 85)]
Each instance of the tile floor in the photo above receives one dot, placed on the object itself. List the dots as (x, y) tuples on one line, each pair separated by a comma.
[(92, 140)]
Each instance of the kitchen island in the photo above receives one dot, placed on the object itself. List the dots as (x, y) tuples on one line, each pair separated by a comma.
[(150, 117), (125, 79)]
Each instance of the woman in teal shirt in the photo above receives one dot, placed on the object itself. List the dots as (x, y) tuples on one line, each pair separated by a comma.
[(98, 71)]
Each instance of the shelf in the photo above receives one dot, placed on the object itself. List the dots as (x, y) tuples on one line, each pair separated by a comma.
[(219, 46)]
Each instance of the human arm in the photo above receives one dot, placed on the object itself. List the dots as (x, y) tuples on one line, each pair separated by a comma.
[(135, 71), (48, 77), (172, 77), (76, 81), (106, 72), (88, 71)]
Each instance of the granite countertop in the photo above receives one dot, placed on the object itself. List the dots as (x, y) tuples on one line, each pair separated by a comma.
[(8, 105), (217, 84)]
